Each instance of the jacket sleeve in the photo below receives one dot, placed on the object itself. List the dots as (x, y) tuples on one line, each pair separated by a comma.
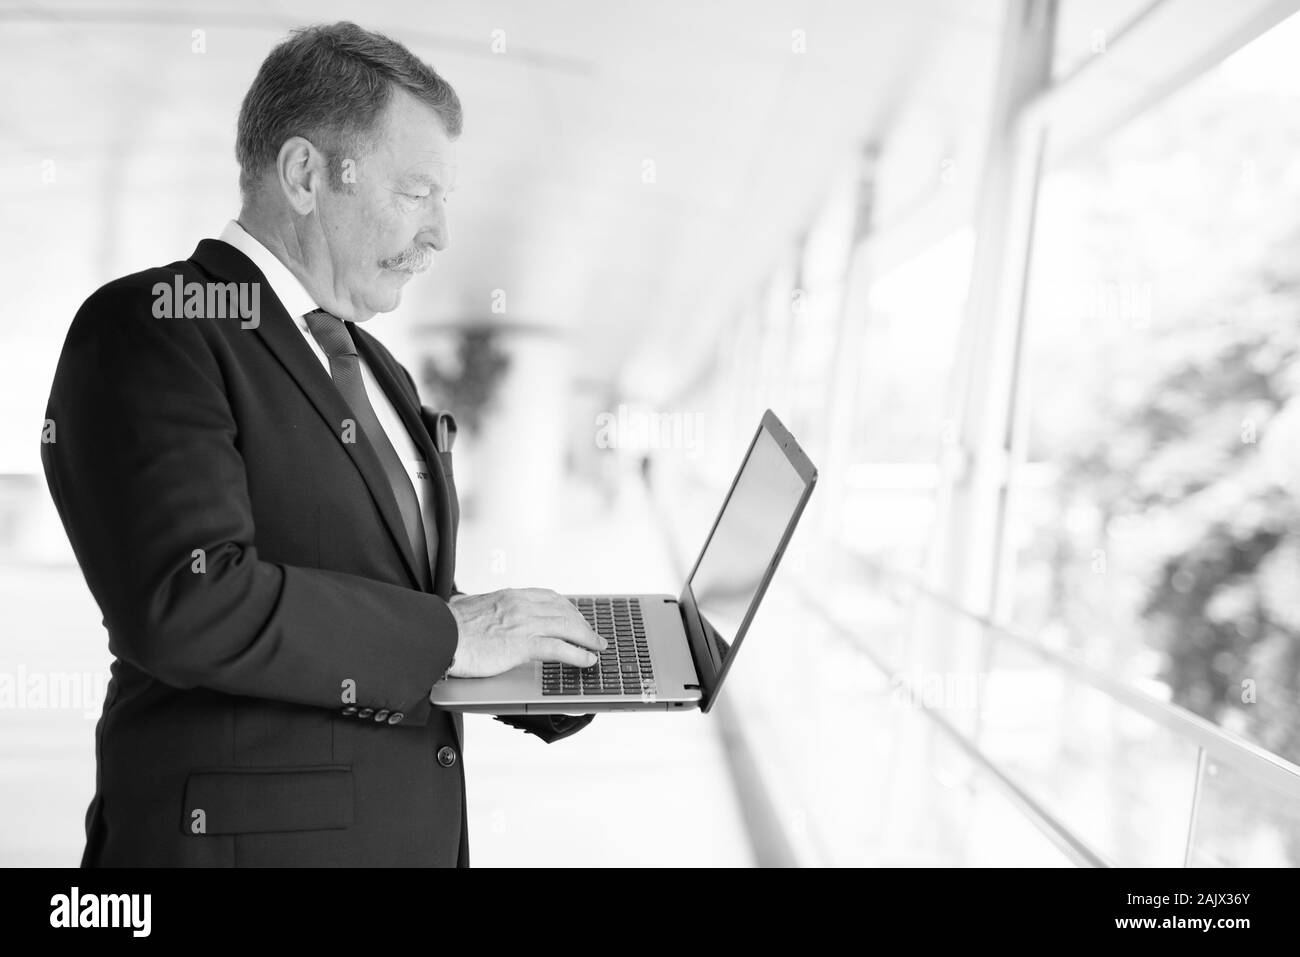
[(548, 727), (149, 481)]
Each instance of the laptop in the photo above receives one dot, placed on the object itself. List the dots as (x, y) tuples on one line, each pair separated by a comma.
[(670, 652)]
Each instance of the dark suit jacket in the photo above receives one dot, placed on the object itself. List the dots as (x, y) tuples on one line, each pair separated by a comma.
[(252, 570)]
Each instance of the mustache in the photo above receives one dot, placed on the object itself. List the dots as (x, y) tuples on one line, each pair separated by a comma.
[(415, 259)]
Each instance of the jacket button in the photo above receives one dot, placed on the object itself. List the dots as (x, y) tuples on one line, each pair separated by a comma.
[(396, 717), (446, 756), (365, 712), (381, 715), (350, 710)]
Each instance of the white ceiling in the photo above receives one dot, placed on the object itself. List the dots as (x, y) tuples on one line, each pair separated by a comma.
[(551, 206)]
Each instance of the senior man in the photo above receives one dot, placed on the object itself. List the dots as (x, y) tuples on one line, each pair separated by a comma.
[(262, 513)]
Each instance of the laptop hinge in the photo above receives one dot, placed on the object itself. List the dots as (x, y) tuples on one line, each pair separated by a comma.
[(695, 640)]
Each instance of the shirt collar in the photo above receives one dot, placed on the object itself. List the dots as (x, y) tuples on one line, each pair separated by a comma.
[(286, 286)]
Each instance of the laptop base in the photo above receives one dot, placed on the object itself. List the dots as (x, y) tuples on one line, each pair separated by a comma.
[(676, 686)]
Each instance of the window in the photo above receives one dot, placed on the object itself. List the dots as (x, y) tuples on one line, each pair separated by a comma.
[(1157, 519), (906, 358)]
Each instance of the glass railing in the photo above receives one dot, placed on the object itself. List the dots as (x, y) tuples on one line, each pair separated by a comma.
[(1136, 780), (833, 765), (887, 725)]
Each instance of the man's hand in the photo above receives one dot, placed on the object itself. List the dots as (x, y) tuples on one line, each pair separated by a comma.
[(505, 628)]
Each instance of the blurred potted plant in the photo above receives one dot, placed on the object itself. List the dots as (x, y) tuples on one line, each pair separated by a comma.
[(467, 390)]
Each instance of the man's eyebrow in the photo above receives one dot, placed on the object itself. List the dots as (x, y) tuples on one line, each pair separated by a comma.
[(421, 179)]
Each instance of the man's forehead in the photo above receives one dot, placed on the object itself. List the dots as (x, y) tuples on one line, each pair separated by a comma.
[(415, 141), (440, 172), (424, 163)]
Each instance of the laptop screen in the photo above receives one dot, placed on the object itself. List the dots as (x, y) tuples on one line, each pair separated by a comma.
[(744, 542)]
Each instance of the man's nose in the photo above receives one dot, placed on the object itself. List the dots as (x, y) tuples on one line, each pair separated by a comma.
[(435, 231)]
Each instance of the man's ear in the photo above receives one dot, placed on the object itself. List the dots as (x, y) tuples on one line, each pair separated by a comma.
[(301, 171)]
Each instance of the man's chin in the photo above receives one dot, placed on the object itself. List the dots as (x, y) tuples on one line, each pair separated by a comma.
[(377, 305), (394, 300), (389, 297)]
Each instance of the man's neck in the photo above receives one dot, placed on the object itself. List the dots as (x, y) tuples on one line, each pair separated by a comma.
[(279, 232), (288, 251)]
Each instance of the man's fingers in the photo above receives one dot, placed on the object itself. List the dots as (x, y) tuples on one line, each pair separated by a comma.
[(559, 618), (538, 594), (571, 628), (546, 648), (588, 637)]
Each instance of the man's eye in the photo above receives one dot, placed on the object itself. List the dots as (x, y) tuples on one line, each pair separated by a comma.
[(416, 196)]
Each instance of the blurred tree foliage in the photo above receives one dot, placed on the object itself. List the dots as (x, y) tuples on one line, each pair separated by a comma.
[(1200, 455), (1168, 398)]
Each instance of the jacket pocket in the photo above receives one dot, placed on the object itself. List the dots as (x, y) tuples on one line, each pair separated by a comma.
[(261, 800)]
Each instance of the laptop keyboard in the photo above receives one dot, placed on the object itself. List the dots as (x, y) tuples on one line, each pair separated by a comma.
[(624, 667)]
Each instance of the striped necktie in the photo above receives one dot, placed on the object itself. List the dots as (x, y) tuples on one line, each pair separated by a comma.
[(345, 369)]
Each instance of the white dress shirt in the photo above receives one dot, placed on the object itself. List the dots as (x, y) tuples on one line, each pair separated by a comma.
[(299, 302)]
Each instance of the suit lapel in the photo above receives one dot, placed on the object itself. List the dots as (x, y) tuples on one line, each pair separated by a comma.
[(407, 406), (277, 330)]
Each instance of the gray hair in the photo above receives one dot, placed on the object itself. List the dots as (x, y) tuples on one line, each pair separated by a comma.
[(330, 84)]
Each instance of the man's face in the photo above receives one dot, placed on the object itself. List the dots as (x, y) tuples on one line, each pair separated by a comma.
[(382, 229)]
